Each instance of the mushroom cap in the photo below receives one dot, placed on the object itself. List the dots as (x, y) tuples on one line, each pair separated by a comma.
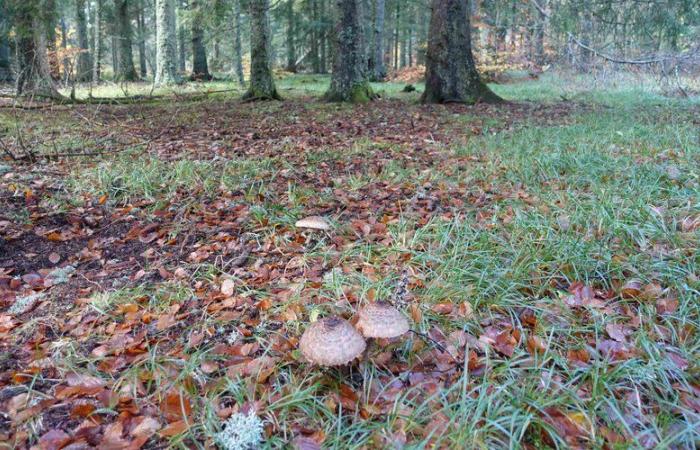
[(331, 342), (381, 320), (313, 222)]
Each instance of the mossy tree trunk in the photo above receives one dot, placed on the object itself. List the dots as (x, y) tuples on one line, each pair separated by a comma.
[(125, 57), (84, 58), (349, 82), (451, 74), (166, 58), (200, 66), (34, 77), (262, 83)]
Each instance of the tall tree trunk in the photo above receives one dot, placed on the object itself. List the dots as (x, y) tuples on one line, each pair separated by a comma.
[(84, 58), (200, 67), (291, 37), (451, 74), (262, 83), (397, 20), (97, 42), (34, 77), (539, 36), (5, 66), (237, 48), (378, 67), (349, 82), (166, 58), (48, 23), (65, 62), (181, 47), (314, 35), (125, 57), (141, 25), (323, 34)]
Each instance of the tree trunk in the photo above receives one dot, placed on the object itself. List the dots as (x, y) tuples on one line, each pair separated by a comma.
[(141, 25), (314, 35), (48, 23), (349, 82), (166, 58), (181, 47), (200, 67), (378, 67), (397, 19), (237, 49), (97, 42), (5, 66), (291, 37), (34, 78), (451, 74), (125, 58), (84, 58), (322, 36), (65, 62), (539, 36), (262, 84)]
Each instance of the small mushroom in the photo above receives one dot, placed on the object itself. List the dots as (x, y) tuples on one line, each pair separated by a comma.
[(381, 320), (331, 342), (314, 223)]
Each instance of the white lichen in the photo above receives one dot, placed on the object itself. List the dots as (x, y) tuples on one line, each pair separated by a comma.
[(61, 274), (241, 432), (24, 304), (233, 336)]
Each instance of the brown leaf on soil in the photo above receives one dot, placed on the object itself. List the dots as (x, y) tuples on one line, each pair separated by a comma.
[(535, 344), (54, 440), (578, 357), (175, 406), (631, 289), (174, 429), (617, 331)]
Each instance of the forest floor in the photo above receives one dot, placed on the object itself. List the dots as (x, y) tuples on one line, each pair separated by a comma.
[(153, 285)]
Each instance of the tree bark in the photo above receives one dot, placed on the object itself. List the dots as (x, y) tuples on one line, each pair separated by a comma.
[(378, 67), (200, 67), (5, 66), (539, 36), (314, 35), (262, 83), (125, 57), (349, 82), (291, 37), (397, 19), (141, 25), (97, 42), (34, 78), (451, 74), (237, 48), (181, 47), (83, 71), (166, 58)]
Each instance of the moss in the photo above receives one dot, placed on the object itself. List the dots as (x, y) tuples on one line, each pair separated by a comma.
[(358, 93)]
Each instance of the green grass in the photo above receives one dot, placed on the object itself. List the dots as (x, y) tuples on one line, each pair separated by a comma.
[(591, 200)]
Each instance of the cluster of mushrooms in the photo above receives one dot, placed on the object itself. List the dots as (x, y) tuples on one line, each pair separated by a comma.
[(333, 341)]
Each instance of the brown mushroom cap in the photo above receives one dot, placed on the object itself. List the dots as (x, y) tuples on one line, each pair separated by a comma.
[(331, 342), (314, 223), (381, 320)]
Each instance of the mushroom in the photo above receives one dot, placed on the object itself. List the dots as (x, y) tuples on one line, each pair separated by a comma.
[(331, 342), (381, 320), (314, 223)]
